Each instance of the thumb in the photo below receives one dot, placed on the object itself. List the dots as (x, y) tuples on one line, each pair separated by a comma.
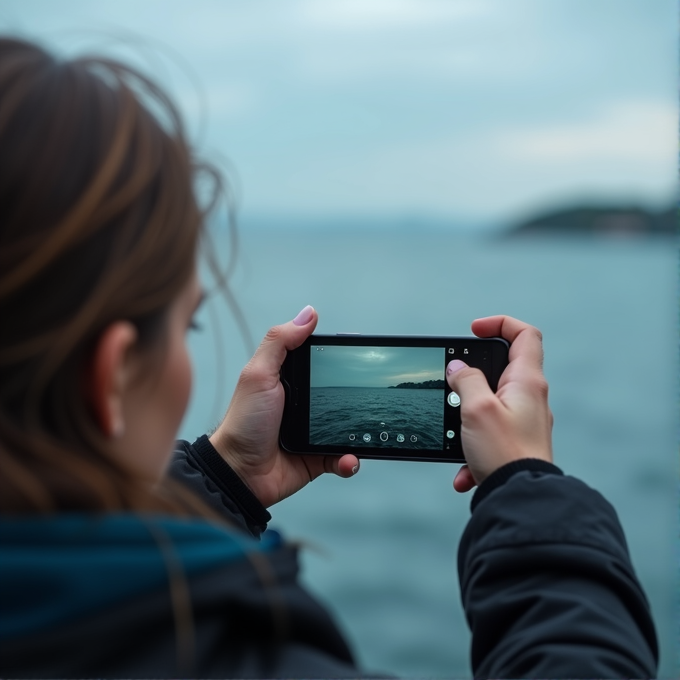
[(464, 481), (469, 383), (271, 353)]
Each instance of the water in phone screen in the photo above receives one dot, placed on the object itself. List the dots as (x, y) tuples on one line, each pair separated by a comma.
[(378, 397)]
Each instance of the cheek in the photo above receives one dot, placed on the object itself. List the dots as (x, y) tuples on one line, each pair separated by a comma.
[(173, 402), (182, 384), (175, 390)]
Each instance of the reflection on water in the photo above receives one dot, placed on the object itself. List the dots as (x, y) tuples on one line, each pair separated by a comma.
[(607, 310)]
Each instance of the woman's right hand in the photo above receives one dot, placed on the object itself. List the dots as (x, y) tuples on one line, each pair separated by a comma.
[(516, 421)]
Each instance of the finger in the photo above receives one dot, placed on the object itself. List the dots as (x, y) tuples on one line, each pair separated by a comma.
[(271, 353), (469, 383), (345, 466), (342, 466), (525, 340), (464, 481)]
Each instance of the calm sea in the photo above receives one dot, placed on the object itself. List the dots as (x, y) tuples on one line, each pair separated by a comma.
[(338, 414), (383, 544)]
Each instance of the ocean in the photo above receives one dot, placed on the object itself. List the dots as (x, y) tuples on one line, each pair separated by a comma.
[(377, 417), (382, 546)]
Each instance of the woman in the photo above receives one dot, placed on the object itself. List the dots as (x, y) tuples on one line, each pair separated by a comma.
[(122, 558)]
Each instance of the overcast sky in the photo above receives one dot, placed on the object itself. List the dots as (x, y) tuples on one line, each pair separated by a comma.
[(334, 366), (462, 110)]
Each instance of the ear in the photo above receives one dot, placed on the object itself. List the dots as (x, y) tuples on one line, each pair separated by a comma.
[(109, 375)]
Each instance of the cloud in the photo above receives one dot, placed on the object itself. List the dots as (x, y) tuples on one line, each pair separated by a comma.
[(411, 41), (386, 15), (629, 131), (623, 151), (441, 107)]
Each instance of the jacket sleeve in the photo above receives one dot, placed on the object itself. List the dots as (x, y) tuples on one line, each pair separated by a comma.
[(201, 469), (547, 584)]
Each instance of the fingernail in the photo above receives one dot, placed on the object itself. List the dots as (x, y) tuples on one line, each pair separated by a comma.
[(305, 316), (355, 469), (455, 366)]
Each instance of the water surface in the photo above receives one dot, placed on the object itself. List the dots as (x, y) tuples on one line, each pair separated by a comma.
[(387, 538)]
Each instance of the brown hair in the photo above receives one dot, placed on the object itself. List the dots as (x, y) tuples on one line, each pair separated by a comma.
[(99, 222)]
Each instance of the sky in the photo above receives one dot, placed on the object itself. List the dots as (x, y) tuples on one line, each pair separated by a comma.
[(336, 366), (463, 111)]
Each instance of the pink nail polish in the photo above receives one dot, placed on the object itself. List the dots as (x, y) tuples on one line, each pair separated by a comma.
[(455, 366), (305, 316)]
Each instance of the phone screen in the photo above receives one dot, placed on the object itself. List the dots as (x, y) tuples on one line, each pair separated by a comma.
[(380, 396)]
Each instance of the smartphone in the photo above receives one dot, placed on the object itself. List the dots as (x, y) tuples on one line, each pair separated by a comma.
[(380, 396)]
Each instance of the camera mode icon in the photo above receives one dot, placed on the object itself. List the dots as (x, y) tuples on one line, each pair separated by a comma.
[(367, 437), (453, 399), (400, 438)]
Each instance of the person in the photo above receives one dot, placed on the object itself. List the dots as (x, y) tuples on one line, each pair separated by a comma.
[(125, 554)]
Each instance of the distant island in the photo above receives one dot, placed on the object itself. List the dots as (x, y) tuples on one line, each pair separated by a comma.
[(605, 220), (425, 385)]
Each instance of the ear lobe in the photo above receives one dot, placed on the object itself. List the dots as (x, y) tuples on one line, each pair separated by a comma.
[(107, 379)]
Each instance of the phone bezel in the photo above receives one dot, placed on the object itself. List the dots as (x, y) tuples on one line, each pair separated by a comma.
[(490, 355)]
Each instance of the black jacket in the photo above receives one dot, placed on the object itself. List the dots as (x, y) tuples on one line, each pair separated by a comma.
[(546, 582)]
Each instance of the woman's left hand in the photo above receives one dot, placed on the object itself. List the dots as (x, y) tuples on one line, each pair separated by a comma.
[(248, 437)]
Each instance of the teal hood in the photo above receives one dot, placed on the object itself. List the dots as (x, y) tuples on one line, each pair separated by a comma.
[(56, 569)]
